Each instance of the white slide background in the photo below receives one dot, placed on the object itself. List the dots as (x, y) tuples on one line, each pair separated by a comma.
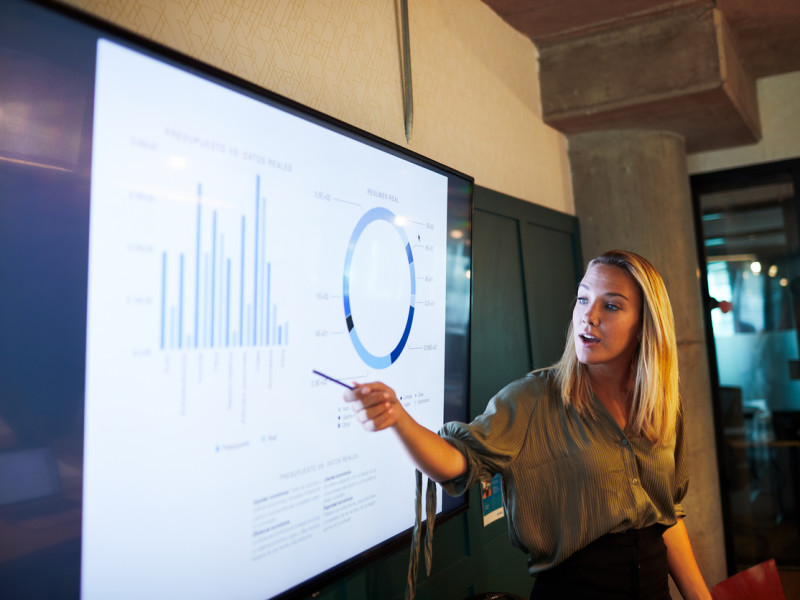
[(216, 463)]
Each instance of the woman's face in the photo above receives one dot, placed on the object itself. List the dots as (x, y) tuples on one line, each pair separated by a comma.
[(607, 319)]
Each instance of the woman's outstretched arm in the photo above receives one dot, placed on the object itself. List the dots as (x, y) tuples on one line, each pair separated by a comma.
[(378, 408)]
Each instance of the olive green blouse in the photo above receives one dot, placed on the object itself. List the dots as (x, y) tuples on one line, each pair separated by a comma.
[(567, 479)]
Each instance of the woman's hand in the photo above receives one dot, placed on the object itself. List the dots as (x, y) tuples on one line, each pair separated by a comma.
[(378, 408), (376, 405)]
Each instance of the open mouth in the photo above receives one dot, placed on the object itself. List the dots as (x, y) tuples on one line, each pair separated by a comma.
[(588, 338)]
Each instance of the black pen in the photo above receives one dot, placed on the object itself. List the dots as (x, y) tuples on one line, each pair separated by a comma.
[(329, 378)]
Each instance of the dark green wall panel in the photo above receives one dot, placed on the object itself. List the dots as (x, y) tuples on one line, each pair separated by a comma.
[(550, 256), (500, 351)]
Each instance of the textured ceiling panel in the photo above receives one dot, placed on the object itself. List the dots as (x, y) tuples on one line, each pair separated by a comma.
[(767, 32)]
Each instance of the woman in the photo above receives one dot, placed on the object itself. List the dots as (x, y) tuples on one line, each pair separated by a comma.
[(591, 450)]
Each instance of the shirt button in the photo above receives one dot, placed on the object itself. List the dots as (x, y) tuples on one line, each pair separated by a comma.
[(624, 442), (635, 481)]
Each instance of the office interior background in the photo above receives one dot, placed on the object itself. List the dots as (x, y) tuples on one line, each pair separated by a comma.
[(668, 128)]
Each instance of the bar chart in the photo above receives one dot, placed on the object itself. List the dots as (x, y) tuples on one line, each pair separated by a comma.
[(218, 294)]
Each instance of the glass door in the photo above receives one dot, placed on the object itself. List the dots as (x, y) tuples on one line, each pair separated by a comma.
[(750, 247)]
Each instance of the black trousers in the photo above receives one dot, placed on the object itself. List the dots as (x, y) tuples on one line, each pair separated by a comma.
[(619, 566)]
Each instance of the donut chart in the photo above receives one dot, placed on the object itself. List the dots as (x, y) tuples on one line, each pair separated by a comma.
[(373, 360)]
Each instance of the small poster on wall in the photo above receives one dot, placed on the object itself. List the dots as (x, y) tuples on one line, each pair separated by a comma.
[(492, 500)]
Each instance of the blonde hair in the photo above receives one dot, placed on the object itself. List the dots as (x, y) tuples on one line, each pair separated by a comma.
[(656, 399)]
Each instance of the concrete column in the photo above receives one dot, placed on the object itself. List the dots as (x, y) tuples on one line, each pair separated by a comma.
[(632, 192)]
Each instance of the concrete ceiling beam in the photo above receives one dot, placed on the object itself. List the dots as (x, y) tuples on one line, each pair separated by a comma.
[(675, 71)]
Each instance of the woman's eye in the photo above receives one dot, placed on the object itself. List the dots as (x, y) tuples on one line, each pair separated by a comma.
[(612, 307), (582, 300)]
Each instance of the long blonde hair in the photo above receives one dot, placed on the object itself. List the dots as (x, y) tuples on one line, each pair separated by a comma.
[(656, 398)]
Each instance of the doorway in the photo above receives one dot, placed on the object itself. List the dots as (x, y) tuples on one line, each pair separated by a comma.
[(749, 252)]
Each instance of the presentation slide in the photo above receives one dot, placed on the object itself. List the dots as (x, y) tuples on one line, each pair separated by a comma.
[(234, 249)]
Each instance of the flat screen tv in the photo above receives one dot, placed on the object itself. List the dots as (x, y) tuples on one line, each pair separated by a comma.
[(180, 250)]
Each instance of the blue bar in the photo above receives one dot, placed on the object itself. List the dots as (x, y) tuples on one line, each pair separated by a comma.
[(180, 308), (213, 273), (197, 268), (241, 290), (255, 277), (163, 295), (206, 302), (279, 335), (228, 306), (221, 286), (264, 278)]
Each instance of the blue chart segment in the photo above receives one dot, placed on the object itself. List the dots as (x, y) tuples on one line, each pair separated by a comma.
[(228, 302), (373, 360)]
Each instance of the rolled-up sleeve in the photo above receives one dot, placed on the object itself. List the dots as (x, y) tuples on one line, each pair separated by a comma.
[(494, 439), (681, 485)]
